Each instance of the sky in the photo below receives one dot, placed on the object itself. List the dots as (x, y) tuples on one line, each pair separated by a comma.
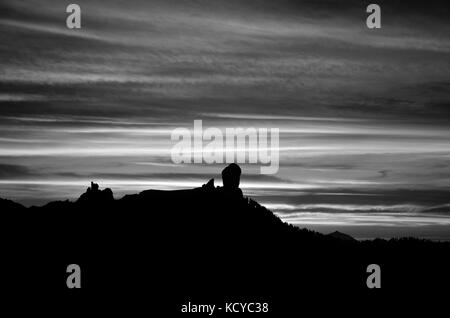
[(363, 113)]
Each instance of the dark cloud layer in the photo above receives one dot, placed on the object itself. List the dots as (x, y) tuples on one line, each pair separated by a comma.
[(8, 171)]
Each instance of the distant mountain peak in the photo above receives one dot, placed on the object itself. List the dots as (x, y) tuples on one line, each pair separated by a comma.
[(341, 236)]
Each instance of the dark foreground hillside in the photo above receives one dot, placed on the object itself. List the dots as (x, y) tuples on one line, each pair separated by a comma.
[(168, 246)]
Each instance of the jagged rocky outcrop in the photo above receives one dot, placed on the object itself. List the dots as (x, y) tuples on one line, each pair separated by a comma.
[(94, 195)]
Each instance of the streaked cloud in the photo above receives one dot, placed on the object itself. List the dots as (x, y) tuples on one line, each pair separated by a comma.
[(363, 115)]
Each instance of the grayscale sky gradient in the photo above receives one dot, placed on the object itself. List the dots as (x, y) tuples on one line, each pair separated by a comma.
[(363, 114)]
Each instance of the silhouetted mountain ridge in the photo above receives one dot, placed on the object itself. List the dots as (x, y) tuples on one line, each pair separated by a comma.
[(97, 199), (256, 215), (204, 239), (9, 205)]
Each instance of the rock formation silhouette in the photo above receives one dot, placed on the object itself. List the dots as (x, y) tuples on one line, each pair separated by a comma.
[(94, 195), (231, 176)]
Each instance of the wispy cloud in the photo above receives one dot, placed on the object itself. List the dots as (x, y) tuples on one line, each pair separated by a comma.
[(363, 114)]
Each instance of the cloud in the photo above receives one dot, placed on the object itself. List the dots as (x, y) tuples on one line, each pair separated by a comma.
[(11, 171), (363, 114)]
